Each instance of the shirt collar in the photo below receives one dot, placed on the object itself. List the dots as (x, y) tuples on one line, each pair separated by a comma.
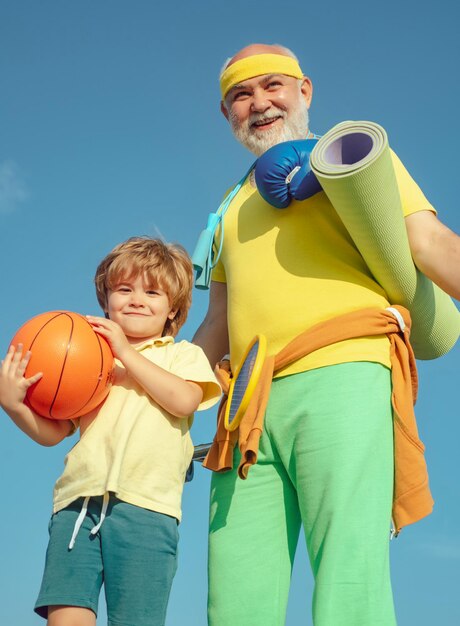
[(155, 343)]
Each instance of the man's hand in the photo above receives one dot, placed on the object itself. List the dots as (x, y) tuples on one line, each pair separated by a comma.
[(13, 384), (113, 333), (283, 173)]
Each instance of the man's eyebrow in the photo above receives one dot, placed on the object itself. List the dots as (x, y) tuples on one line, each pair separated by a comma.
[(235, 87), (269, 77), (264, 78)]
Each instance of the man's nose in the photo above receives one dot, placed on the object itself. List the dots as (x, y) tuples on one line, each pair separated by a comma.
[(260, 102)]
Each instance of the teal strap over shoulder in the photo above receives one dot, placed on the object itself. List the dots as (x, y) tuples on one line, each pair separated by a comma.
[(206, 253)]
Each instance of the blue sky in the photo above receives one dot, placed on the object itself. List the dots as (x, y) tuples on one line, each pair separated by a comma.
[(110, 127)]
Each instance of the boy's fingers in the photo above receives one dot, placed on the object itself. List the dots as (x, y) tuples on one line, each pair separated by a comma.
[(93, 319), (17, 353), (23, 363), (101, 322), (9, 356), (101, 329), (6, 363), (33, 379), (15, 364)]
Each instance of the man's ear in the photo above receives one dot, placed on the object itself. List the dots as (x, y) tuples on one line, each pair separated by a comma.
[(306, 89), (224, 110)]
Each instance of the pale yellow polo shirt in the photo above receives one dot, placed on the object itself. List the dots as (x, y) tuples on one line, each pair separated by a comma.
[(288, 269), (131, 446)]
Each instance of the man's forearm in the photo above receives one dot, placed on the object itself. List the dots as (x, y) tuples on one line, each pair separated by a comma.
[(444, 269), (436, 251), (212, 337)]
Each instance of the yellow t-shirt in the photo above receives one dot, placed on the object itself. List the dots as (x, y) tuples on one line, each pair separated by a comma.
[(289, 269), (131, 446)]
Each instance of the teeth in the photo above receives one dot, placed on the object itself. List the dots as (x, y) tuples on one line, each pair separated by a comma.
[(263, 122)]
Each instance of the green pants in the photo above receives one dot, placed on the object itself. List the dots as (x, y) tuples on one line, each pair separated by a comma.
[(325, 461)]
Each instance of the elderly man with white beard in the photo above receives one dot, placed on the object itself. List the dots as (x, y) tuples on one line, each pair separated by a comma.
[(325, 456)]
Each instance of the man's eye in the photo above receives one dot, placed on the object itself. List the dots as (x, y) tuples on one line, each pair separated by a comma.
[(240, 95), (273, 84)]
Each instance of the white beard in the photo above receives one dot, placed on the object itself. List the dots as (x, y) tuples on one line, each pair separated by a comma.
[(295, 126)]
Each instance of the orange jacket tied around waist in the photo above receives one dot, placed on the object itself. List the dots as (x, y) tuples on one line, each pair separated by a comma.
[(412, 499)]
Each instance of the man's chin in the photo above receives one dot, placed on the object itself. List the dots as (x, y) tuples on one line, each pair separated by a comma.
[(260, 141)]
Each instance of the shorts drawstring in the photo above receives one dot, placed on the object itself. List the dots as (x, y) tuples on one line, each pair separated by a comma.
[(79, 522), (105, 504), (82, 515)]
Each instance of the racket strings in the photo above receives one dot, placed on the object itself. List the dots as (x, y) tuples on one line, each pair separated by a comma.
[(242, 381)]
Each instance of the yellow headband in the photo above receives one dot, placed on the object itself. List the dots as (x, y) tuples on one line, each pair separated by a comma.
[(257, 65)]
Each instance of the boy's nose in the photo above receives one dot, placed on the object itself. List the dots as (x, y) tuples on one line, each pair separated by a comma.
[(136, 300)]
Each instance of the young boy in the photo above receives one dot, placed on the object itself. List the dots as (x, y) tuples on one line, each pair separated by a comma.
[(117, 504)]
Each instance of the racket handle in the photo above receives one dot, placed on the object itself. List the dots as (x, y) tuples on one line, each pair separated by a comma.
[(201, 451)]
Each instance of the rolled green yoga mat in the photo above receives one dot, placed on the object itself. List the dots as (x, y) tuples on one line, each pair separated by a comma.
[(353, 164)]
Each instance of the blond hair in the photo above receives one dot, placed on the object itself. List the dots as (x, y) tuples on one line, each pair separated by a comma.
[(163, 265)]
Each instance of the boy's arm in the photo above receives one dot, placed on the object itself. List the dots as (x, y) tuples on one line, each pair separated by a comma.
[(13, 388), (435, 250), (177, 396)]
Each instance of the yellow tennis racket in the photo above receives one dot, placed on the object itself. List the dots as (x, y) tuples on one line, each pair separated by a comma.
[(244, 382)]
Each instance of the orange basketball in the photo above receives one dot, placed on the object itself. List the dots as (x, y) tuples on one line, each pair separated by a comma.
[(76, 362)]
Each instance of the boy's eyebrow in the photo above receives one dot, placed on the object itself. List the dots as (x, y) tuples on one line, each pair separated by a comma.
[(114, 284), (120, 281), (155, 285)]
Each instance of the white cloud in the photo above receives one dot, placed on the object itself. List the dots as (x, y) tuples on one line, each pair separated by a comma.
[(158, 232), (13, 191)]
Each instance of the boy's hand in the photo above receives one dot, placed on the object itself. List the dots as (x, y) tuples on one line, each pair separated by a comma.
[(13, 385), (113, 333)]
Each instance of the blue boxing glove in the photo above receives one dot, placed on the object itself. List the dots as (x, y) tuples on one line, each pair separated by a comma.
[(283, 173)]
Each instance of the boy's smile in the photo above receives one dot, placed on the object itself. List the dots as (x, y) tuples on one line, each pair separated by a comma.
[(140, 309)]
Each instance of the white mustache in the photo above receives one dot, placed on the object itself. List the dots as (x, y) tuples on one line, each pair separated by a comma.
[(268, 116)]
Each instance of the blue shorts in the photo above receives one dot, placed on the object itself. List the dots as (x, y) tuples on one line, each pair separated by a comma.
[(134, 554)]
